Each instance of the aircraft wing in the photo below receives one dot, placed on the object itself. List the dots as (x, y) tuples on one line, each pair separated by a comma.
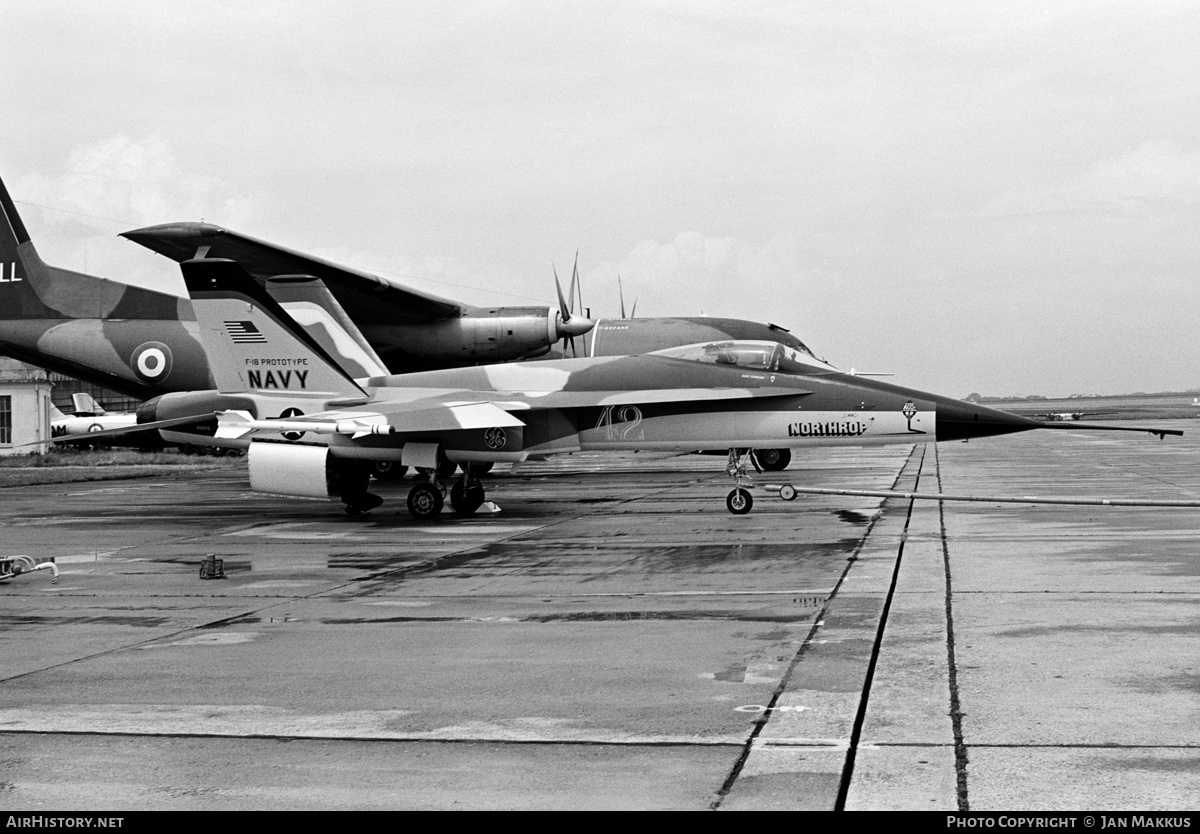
[(124, 431), (461, 410), (387, 419), (367, 298)]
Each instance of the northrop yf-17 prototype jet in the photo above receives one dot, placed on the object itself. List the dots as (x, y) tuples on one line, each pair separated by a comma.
[(311, 429)]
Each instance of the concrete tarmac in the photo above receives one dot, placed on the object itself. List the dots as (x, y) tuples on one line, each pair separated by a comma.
[(614, 639)]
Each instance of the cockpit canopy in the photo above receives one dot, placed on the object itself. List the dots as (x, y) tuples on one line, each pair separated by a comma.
[(752, 355)]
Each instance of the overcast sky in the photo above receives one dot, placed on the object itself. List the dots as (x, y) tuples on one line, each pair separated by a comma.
[(1000, 197)]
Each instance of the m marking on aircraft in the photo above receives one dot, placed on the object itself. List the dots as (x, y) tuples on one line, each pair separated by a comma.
[(244, 333)]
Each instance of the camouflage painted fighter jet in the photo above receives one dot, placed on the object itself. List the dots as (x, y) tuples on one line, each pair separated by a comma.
[(311, 429)]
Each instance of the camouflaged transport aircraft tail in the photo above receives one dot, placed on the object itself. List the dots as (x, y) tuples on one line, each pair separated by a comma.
[(130, 339)]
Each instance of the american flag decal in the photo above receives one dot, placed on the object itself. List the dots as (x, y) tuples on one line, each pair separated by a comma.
[(244, 333)]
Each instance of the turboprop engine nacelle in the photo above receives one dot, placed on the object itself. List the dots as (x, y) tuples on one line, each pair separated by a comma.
[(478, 335)]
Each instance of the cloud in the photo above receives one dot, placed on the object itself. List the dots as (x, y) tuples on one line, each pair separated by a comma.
[(75, 213), (1154, 174), (129, 182)]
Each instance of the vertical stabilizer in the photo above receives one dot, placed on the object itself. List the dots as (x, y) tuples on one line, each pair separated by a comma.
[(17, 256), (309, 302), (253, 345), (32, 289), (126, 338)]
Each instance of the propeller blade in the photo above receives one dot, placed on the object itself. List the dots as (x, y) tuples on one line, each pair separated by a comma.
[(579, 288), (562, 302), (621, 293), (574, 280), (633, 312), (570, 325)]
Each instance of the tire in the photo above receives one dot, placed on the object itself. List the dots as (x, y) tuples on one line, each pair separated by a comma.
[(739, 501), (787, 492), (466, 501), (446, 468), (388, 470), (773, 460), (425, 501), (482, 468)]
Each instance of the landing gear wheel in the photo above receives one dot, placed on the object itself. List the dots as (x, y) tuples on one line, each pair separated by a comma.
[(388, 470), (466, 500), (483, 468), (425, 501), (445, 469), (773, 460), (739, 501), (787, 492)]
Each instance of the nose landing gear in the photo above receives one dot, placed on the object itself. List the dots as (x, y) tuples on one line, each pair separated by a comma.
[(740, 501)]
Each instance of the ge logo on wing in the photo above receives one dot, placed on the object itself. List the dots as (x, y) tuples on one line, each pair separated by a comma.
[(495, 438)]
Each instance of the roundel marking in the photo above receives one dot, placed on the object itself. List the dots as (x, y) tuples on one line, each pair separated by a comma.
[(286, 414), (151, 361), (95, 427), (495, 438)]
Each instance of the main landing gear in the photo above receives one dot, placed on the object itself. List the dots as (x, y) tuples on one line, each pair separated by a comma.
[(427, 498)]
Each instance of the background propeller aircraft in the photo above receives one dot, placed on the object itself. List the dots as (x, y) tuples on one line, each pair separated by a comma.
[(409, 329), (384, 321), (311, 429)]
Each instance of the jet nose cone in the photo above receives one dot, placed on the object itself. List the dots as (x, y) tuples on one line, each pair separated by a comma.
[(957, 420), (574, 326)]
